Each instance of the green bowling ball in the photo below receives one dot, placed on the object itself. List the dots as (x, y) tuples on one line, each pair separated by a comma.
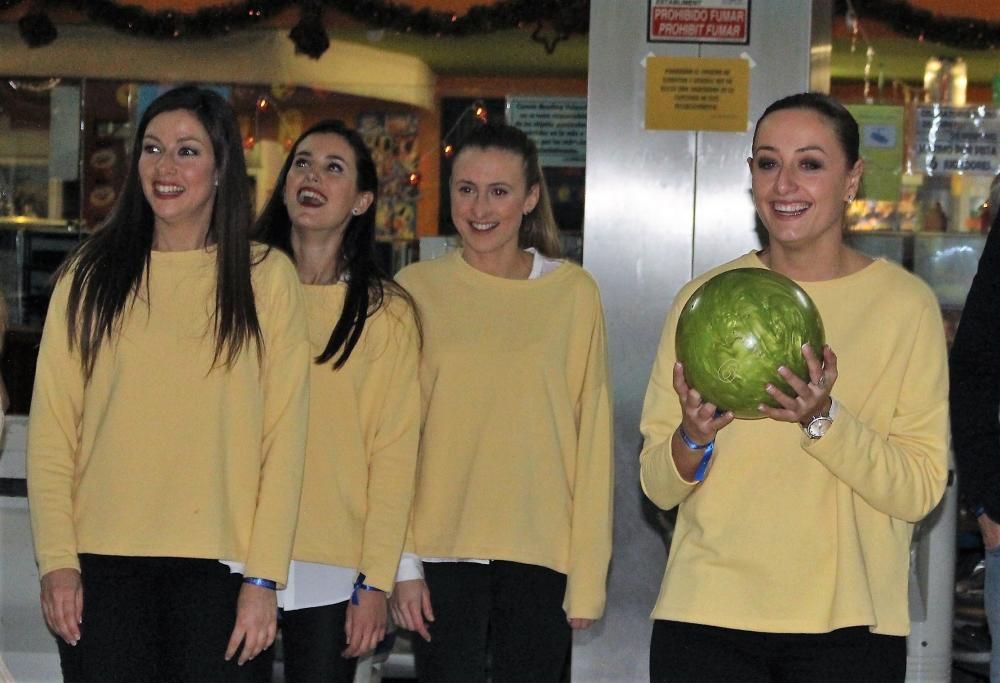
[(737, 329)]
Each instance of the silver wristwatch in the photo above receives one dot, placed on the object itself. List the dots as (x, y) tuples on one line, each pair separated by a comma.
[(820, 424)]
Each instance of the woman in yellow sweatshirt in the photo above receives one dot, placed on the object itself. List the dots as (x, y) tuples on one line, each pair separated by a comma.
[(790, 555), (512, 514), (168, 420), (364, 406)]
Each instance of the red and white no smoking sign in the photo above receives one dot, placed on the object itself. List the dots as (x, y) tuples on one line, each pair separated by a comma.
[(699, 21)]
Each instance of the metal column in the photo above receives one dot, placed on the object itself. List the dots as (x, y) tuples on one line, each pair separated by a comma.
[(661, 207)]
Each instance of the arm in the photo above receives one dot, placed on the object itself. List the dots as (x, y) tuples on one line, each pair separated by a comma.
[(667, 464), (53, 441), (285, 388), (903, 473), (284, 379), (392, 461), (975, 384), (392, 469), (593, 485)]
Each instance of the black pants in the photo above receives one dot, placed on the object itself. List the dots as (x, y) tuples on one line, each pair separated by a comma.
[(312, 640), (156, 619), (693, 652), (510, 610)]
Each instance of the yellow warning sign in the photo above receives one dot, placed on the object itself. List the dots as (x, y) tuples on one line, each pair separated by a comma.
[(697, 93)]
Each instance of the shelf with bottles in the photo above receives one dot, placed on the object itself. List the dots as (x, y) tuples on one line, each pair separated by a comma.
[(959, 204)]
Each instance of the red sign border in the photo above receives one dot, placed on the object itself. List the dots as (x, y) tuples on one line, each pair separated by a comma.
[(651, 39)]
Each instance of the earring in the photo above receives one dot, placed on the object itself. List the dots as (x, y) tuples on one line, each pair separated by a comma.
[(850, 197), (355, 211)]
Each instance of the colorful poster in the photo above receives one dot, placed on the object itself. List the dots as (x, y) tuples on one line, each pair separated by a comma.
[(558, 125), (881, 128), (392, 138), (697, 93), (699, 21), (956, 140)]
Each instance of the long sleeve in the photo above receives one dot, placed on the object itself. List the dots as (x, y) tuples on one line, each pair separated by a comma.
[(515, 448), (285, 386), (975, 384), (163, 452), (661, 414), (776, 505), (393, 459), (903, 474), (593, 489), (54, 440)]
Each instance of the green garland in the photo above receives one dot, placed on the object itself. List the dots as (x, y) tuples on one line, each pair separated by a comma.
[(566, 17), (964, 33)]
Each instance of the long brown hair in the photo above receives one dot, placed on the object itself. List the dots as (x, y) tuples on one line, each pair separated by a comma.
[(367, 284), (107, 269)]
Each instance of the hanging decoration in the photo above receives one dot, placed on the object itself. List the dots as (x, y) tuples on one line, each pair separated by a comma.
[(562, 18), (36, 28), (309, 35), (965, 33)]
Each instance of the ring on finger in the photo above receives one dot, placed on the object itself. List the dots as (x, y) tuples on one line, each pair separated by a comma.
[(821, 382)]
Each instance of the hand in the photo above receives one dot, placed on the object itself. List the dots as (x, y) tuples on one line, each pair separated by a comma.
[(256, 622), (62, 603), (411, 607), (580, 624), (366, 622), (813, 397), (990, 531), (700, 420)]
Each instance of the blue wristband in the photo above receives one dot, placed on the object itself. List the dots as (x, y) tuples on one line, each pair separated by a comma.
[(709, 448), (263, 583), (360, 585)]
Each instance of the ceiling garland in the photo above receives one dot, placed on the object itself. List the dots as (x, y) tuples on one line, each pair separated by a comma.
[(552, 20), (964, 33)]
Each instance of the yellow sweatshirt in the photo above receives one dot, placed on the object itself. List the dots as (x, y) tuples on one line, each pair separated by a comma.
[(791, 535), (361, 454), (158, 454), (516, 447)]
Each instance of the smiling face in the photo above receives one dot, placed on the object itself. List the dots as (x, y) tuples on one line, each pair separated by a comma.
[(177, 172), (321, 189), (801, 178), (489, 197)]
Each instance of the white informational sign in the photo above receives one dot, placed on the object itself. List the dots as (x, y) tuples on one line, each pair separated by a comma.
[(558, 126), (955, 140), (699, 21)]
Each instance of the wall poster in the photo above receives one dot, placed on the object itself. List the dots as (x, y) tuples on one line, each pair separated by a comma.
[(392, 139)]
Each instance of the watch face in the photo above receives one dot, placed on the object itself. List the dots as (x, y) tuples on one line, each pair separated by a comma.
[(818, 426)]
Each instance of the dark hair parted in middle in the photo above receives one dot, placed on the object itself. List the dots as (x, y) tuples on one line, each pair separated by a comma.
[(107, 269), (538, 228), (367, 284)]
